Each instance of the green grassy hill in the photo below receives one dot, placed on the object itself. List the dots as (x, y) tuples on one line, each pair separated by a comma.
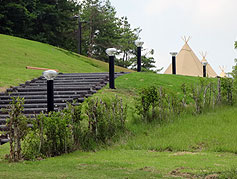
[(17, 53)]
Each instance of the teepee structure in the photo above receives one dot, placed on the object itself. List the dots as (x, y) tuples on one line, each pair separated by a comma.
[(223, 74), (187, 63)]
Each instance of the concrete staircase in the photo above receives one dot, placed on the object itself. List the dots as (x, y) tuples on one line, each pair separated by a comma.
[(67, 88)]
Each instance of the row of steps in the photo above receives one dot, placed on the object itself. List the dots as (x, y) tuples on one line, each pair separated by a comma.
[(68, 87)]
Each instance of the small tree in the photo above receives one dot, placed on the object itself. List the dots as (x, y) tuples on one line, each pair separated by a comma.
[(17, 128)]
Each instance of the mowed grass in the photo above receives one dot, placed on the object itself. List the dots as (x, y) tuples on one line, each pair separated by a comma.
[(17, 53), (121, 163)]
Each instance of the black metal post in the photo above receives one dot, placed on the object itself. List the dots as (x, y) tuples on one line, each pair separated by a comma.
[(111, 72), (204, 71), (50, 96), (173, 64), (139, 60), (79, 35)]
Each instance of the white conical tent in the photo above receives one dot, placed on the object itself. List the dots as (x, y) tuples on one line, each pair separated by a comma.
[(187, 63)]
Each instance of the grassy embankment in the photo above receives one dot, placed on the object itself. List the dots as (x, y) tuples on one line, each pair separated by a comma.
[(189, 146), (17, 53)]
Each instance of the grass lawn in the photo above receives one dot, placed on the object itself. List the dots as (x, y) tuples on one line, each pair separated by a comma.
[(17, 53)]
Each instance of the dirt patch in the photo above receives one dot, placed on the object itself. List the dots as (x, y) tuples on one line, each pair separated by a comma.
[(147, 169), (185, 153), (150, 169), (213, 176), (178, 173)]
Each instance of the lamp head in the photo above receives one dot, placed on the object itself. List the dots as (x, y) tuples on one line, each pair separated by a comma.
[(139, 43), (173, 53), (50, 74), (204, 63), (111, 51)]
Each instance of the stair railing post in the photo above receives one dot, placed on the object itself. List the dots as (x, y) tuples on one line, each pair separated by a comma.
[(50, 75)]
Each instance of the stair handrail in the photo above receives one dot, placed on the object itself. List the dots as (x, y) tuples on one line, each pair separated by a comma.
[(38, 68)]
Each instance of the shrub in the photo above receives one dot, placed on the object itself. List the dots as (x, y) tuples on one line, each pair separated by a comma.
[(17, 128), (54, 134), (106, 117), (64, 131), (156, 104)]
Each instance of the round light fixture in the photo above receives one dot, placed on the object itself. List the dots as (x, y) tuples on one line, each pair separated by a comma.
[(173, 53), (139, 43), (50, 74), (204, 62), (111, 51)]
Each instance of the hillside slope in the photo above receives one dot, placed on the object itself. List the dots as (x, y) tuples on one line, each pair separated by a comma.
[(17, 53), (189, 147)]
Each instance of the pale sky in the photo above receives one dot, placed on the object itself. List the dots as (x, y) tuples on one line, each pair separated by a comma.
[(212, 25)]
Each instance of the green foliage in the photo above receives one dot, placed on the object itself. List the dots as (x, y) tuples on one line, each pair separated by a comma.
[(159, 102), (163, 104), (232, 173), (54, 134), (147, 61), (234, 74), (45, 21), (106, 117), (227, 90), (17, 128), (62, 132)]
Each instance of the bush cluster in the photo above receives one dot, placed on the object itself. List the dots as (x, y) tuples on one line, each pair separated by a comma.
[(76, 127), (106, 117), (159, 104)]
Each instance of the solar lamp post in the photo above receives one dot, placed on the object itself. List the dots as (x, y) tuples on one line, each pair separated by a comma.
[(50, 75), (79, 33), (111, 52), (139, 45), (173, 54), (204, 64)]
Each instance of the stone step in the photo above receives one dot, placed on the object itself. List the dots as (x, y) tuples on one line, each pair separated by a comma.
[(56, 89), (3, 141), (3, 120), (65, 84), (56, 100), (3, 117), (3, 128), (45, 92), (57, 103), (97, 76), (30, 110), (84, 74), (43, 96), (58, 86), (68, 82)]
